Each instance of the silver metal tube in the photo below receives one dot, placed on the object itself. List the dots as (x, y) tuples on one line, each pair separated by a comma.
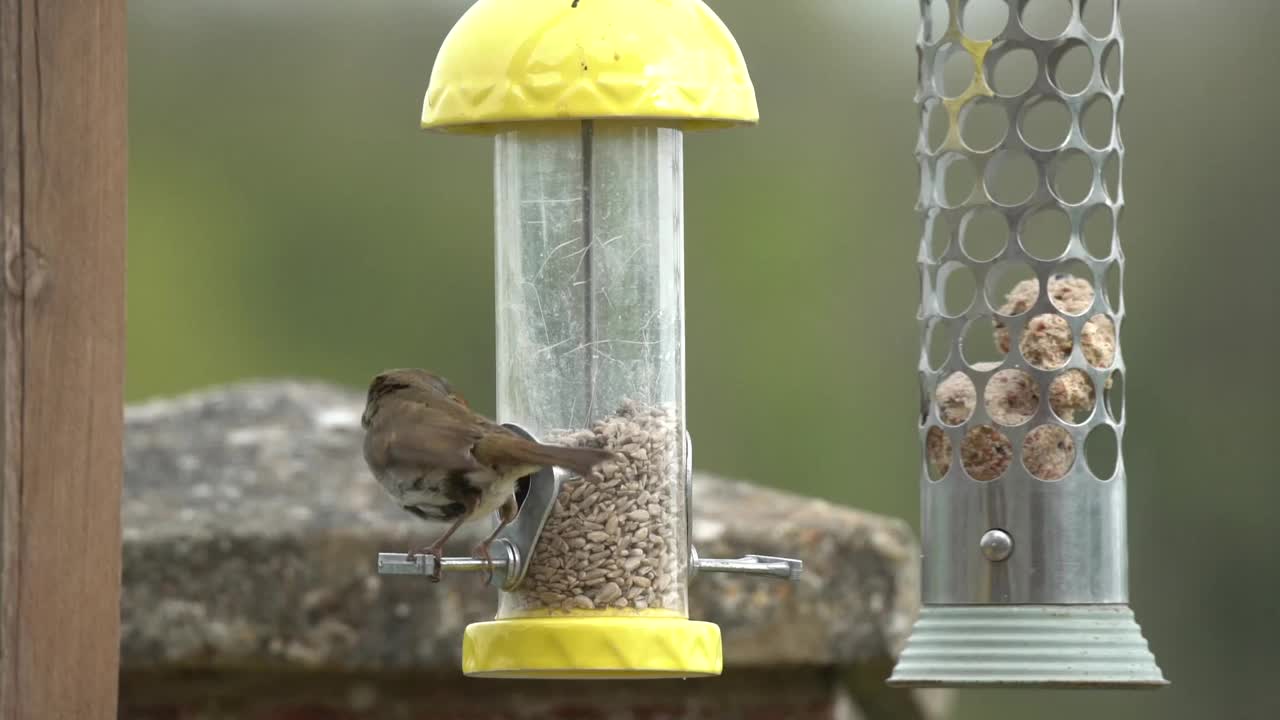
[(400, 564), (784, 568)]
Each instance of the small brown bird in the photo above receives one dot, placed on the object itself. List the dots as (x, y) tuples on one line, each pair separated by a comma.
[(440, 460)]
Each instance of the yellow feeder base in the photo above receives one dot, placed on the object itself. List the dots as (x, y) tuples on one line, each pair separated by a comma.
[(592, 648)]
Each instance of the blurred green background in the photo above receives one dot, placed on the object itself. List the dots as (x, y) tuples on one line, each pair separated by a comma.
[(288, 218)]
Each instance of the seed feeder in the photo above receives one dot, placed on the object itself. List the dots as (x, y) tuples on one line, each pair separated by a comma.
[(588, 101), (1025, 569)]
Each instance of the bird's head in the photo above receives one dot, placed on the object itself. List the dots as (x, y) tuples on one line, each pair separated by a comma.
[(411, 380)]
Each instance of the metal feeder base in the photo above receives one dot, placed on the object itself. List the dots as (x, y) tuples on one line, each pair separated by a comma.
[(1055, 646)]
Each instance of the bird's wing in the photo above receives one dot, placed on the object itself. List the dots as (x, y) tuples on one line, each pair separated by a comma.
[(424, 437)]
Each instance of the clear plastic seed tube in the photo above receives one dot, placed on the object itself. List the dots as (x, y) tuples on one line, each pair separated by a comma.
[(590, 322)]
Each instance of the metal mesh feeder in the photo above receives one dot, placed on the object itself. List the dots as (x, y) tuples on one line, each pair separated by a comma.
[(1025, 570)]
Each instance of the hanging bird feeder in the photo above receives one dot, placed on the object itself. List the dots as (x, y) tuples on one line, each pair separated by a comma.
[(1025, 578), (588, 101)]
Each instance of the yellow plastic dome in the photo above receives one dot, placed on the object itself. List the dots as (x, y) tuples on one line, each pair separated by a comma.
[(511, 61)]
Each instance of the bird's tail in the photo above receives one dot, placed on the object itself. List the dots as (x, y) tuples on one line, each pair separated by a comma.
[(515, 450), (582, 461)]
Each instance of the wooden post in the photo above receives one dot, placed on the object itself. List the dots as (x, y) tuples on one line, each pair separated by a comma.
[(62, 215)]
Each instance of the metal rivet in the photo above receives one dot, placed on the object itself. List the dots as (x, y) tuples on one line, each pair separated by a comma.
[(996, 545)]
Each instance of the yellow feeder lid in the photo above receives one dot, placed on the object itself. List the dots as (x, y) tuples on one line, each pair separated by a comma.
[(510, 61), (592, 648)]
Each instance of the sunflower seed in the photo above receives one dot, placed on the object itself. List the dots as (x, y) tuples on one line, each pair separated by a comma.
[(615, 542)]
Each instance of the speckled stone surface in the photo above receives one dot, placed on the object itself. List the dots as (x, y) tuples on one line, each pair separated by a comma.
[(251, 528)]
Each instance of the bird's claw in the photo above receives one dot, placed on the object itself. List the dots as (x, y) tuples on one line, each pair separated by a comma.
[(434, 552), (482, 551)]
